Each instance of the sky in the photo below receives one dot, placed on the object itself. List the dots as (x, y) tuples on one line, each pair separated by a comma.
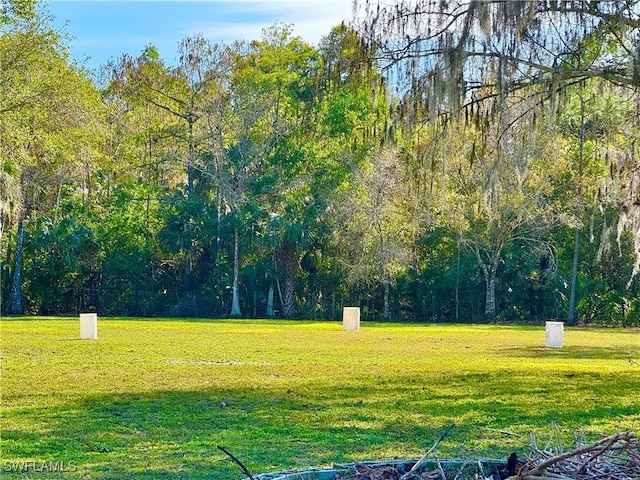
[(102, 30)]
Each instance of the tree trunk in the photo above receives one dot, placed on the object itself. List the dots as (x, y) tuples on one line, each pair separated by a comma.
[(235, 302), (15, 302), (288, 263), (4, 281), (333, 304), (269, 312), (191, 159), (490, 296), (289, 296), (386, 313), (458, 284), (571, 319), (218, 281), (489, 272)]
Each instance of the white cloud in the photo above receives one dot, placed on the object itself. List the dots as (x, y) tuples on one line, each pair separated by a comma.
[(311, 20), (106, 29)]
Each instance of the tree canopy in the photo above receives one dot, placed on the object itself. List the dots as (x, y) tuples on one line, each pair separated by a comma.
[(445, 161)]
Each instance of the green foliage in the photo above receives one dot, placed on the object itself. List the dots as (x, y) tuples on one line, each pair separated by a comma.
[(608, 299), (62, 265), (152, 399), (134, 196), (131, 274)]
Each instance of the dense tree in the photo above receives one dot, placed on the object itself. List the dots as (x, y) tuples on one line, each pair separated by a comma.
[(381, 223), (181, 97), (178, 91), (507, 197), (309, 153), (241, 148), (276, 178), (51, 121), (480, 58), (602, 142), (351, 125)]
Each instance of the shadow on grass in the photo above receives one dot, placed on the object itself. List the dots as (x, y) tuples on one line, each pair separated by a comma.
[(233, 321), (175, 434), (574, 352)]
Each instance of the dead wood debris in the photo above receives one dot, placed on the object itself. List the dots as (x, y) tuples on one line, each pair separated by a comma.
[(614, 457), (237, 461)]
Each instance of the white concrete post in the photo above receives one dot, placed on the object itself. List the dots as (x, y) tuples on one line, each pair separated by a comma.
[(553, 334), (88, 325), (351, 319)]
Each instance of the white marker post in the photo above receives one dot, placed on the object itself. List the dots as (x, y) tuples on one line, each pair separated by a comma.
[(351, 319), (88, 326), (553, 334)]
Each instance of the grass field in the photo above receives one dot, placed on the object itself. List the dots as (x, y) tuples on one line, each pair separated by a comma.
[(153, 399)]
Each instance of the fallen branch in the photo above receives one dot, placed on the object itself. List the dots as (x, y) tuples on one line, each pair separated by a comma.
[(425, 457), (613, 457), (574, 469), (237, 462)]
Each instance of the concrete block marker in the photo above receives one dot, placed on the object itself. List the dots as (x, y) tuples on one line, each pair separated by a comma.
[(88, 326), (554, 331), (351, 319)]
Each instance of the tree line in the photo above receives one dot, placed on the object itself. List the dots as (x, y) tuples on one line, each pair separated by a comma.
[(463, 161)]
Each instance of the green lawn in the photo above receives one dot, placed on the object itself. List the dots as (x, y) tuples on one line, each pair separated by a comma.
[(153, 399)]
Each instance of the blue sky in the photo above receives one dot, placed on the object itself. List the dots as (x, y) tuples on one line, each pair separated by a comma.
[(105, 29)]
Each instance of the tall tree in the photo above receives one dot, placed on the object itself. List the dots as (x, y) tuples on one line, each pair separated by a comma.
[(24, 37), (596, 119), (50, 115), (480, 58), (180, 96), (271, 96), (383, 224), (505, 189), (352, 115), (179, 91), (240, 149)]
